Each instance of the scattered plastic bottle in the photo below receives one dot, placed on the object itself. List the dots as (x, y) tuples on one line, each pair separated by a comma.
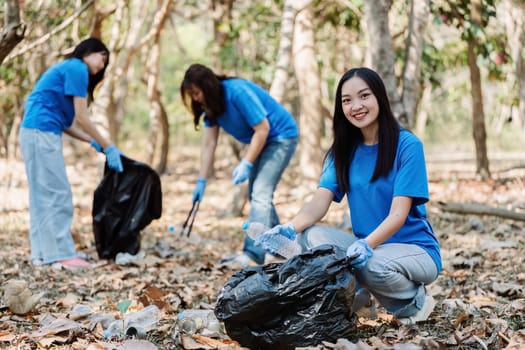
[(115, 329), (193, 320), (134, 323), (145, 318), (277, 245)]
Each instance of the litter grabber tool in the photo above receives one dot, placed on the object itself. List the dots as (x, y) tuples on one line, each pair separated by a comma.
[(191, 215)]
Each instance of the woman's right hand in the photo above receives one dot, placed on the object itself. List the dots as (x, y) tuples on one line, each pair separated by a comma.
[(198, 191)]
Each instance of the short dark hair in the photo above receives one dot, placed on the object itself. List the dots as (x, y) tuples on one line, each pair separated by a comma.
[(86, 47), (347, 137)]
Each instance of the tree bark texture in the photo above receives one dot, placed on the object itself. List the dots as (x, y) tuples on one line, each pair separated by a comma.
[(513, 16), (478, 114), (152, 80), (111, 97), (307, 75), (481, 209), (419, 15), (13, 31), (380, 50), (284, 55), (221, 11)]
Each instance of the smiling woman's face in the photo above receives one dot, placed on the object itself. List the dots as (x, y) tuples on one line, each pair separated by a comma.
[(359, 103)]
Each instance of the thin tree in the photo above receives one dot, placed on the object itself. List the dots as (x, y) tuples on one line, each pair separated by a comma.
[(513, 16), (380, 50), (13, 31), (478, 114), (419, 15), (308, 78), (284, 55)]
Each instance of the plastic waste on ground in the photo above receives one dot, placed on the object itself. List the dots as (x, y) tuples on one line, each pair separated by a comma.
[(279, 244), (136, 323), (124, 258), (192, 321)]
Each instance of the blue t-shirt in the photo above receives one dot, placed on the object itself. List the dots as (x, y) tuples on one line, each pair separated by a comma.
[(50, 107), (247, 104), (370, 202)]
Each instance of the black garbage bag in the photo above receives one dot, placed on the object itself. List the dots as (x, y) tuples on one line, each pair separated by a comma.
[(298, 303), (124, 204)]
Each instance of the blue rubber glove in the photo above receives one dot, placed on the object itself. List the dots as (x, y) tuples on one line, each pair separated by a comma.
[(241, 173), (287, 230), (95, 145), (113, 158), (277, 238), (359, 252), (198, 191)]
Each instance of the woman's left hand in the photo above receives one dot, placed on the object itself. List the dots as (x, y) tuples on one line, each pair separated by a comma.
[(241, 172), (359, 252)]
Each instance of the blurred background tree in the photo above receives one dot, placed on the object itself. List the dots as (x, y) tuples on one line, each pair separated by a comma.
[(454, 69)]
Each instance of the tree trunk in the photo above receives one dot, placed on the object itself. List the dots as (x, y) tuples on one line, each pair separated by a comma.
[(307, 75), (157, 116), (380, 52), (513, 16), (284, 55), (421, 118), (419, 14), (221, 14), (108, 108), (13, 31), (478, 115)]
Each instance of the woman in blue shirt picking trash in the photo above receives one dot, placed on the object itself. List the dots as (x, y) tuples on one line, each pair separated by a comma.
[(381, 168), (60, 96), (249, 114)]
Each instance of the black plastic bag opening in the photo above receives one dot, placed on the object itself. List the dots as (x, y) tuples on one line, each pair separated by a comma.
[(124, 204), (301, 302)]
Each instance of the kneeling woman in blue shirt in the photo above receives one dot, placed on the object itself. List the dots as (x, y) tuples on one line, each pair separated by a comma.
[(381, 169), (60, 96)]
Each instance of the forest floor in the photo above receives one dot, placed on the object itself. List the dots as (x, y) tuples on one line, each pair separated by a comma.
[(480, 294)]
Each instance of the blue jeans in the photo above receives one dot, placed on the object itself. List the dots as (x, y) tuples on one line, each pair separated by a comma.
[(50, 197), (396, 274), (266, 174)]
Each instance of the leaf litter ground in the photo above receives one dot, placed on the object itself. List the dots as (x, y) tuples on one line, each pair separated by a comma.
[(480, 294)]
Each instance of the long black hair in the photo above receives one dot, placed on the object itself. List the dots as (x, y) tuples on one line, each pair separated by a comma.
[(347, 137), (203, 78), (86, 47)]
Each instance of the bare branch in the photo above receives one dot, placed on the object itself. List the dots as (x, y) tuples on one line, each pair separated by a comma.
[(46, 37)]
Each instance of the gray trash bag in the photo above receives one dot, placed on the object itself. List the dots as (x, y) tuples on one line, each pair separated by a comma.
[(298, 303)]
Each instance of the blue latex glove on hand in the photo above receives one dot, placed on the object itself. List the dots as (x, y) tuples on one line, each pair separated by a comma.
[(287, 230), (198, 191), (95, 145), (113, 158), (359, 252), (241, 173), (272, 239)]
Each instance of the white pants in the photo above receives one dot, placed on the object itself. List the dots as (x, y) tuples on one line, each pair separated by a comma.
[(50, 197)]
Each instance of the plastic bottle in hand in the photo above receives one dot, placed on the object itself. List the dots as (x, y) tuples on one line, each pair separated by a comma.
[(279, 245), (254, 229)]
